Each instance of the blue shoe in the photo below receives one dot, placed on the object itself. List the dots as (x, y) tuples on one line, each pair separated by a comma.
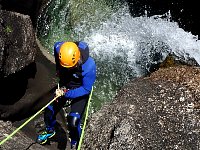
[(42, 138)]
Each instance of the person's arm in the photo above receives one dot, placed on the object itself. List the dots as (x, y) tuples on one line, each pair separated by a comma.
[(88, 81)]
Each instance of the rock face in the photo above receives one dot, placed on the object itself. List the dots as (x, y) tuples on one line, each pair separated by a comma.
[(26, 78), (156, 112), (19, 141), (17, 42)]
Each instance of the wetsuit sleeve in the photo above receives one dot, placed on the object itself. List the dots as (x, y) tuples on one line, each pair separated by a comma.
[(88, 81)]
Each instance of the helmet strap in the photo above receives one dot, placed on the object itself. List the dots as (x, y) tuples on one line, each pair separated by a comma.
[(80, 61)]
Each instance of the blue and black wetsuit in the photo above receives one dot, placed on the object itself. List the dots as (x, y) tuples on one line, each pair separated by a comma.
[(79, 81)]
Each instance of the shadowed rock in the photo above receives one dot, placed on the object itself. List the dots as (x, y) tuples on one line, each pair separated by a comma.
[(156, 112), (171, 60), (26, 81), (30, 7)]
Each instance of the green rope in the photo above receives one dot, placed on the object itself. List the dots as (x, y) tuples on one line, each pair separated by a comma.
[(32, 117), (84, 125)]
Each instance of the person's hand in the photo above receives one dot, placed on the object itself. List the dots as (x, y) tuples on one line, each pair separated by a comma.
[(64, 89), (59, 92)]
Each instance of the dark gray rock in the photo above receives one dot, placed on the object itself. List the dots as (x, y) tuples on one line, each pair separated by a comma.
[(19, 141), (17, 42), (156, 112), (18, 68)]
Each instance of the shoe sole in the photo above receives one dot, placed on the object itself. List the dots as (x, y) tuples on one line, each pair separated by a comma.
[(43, 142)]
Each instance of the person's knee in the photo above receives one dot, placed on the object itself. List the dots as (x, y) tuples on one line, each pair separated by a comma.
[(73, 120)]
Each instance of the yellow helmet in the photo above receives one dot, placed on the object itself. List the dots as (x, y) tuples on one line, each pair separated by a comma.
[(69, 54)]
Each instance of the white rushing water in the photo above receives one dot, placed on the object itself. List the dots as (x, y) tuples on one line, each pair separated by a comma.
[(137, 38), (124, 47)]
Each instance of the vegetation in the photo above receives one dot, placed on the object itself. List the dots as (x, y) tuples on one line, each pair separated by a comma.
[(8, 29)]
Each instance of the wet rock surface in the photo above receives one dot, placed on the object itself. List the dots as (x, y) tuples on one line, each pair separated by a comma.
[(27, 83), (156, 112), (40, 90)]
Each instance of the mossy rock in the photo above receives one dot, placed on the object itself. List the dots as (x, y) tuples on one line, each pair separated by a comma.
[(168, 62)]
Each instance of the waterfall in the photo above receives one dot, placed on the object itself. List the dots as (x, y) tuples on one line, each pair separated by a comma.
[(123, 46)]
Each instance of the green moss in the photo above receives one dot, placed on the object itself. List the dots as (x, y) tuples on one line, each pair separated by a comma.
[(8, 29)]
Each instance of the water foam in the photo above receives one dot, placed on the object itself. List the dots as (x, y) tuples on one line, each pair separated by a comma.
[(124, 47), (137, 38)]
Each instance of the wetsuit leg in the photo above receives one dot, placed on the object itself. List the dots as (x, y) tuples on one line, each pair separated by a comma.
[(74, 117), (51, 112)]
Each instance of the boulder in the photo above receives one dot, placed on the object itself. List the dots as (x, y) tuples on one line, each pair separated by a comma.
[(156, 112), (17, 42)]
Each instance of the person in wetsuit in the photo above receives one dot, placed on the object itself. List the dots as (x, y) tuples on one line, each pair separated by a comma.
[(77, 73)]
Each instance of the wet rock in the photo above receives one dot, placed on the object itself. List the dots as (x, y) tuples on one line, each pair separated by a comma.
[(17, 42), (23, 94), (171, 60), (156, 112), (17, 61)]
